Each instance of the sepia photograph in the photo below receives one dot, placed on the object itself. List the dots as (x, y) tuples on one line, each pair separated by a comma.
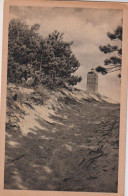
[(64, 76)]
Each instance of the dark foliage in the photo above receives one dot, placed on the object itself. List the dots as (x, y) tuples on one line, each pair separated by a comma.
[(48, 61), (113, 63)]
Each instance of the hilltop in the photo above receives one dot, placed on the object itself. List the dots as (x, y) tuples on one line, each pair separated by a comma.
[(61, 140)]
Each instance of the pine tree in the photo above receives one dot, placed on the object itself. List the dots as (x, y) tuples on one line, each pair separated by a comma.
[(23, 44), (58, 63), (113, 63), (49, 61)]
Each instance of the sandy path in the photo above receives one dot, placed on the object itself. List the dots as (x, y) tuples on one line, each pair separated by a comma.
[(70, 149)]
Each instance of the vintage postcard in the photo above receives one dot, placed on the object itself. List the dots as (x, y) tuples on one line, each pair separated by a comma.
[(63, 112)]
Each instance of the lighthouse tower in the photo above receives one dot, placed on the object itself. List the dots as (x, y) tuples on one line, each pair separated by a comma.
[(92, 81)]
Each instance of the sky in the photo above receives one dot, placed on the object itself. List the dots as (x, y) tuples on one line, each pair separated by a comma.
[(87, 28)]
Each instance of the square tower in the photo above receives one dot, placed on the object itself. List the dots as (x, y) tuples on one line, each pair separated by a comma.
[(92, 82)]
